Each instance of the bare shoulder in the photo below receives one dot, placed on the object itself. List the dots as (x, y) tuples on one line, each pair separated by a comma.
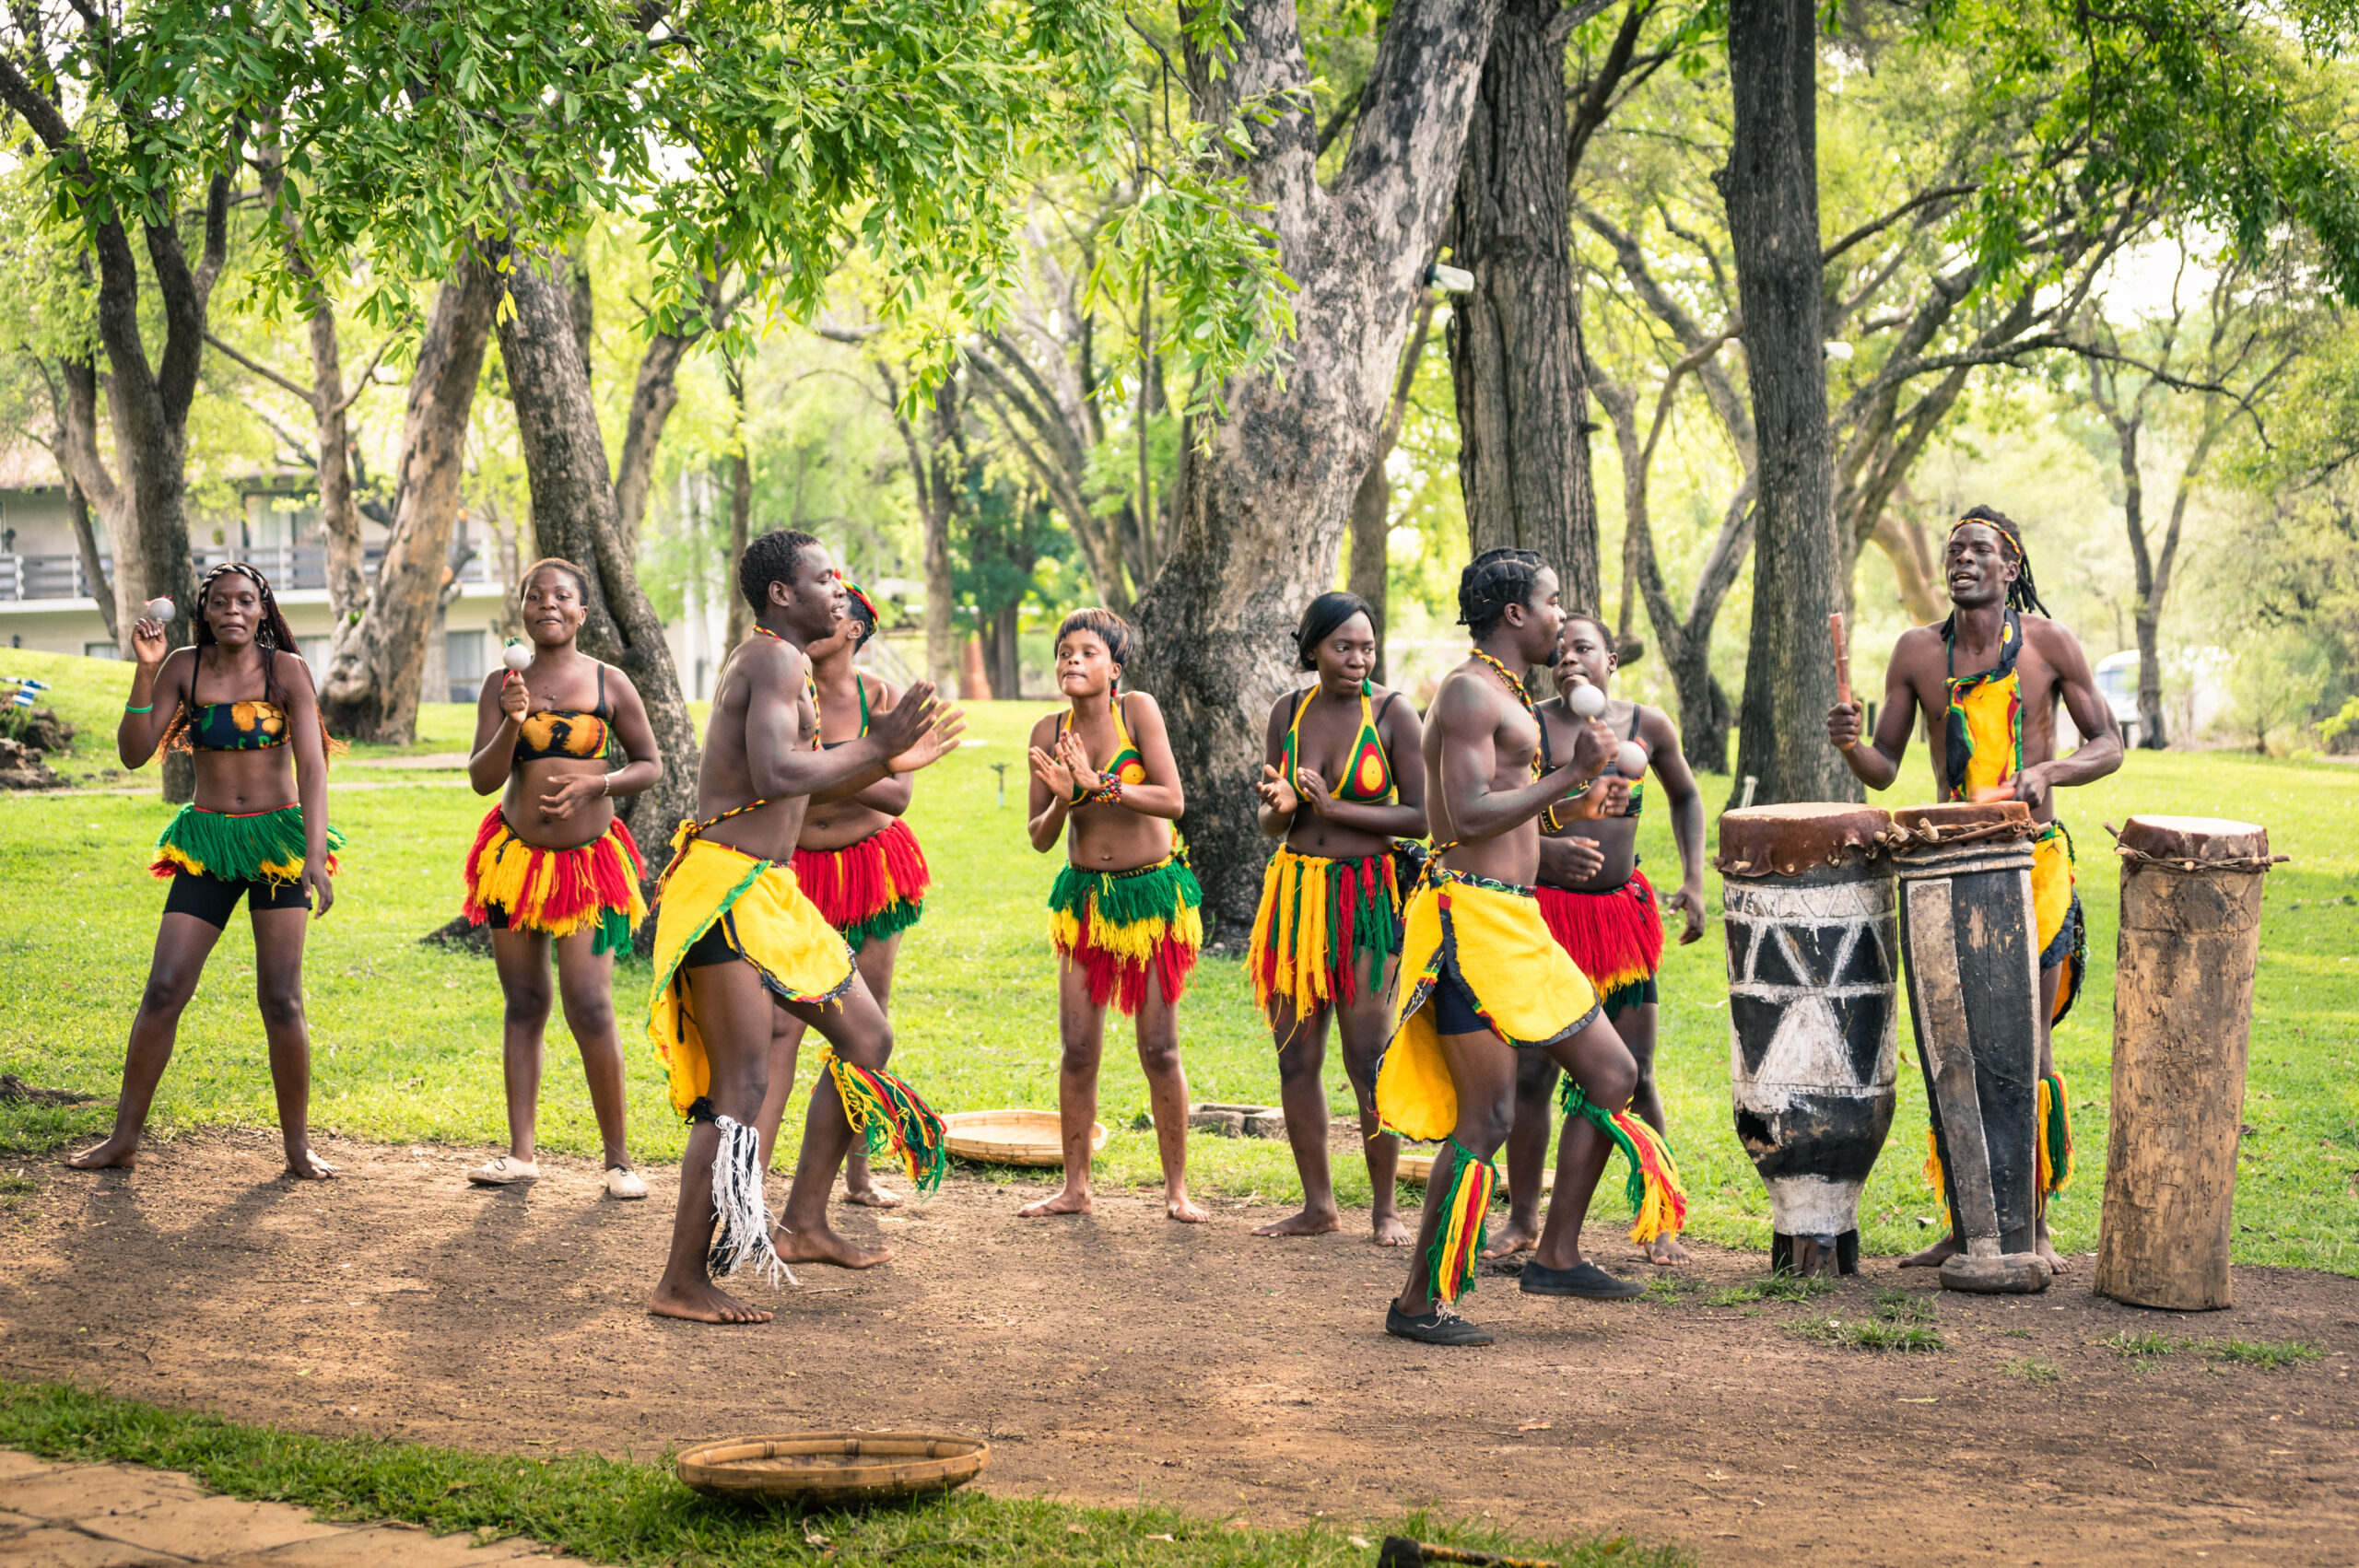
[(1393, 708), (1044, 729), (2054, 641), (882, 694), (1656, 727), (1918, 643), (1137, 706)]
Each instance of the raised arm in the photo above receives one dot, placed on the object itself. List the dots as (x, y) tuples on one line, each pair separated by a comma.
[(1660, 737), (1469, 726), (890, 794), (159, 686), (1404, 817), (1049, 801), (499, 719), (2099, 752), (1877, 763), (916, 732), (303, 728)]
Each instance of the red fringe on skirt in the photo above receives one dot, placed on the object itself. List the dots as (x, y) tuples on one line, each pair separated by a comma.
[(871, 888), (1615, 938)]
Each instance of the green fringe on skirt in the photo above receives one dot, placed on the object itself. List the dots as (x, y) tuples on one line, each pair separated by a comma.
[(1125, 898), (255, 847)]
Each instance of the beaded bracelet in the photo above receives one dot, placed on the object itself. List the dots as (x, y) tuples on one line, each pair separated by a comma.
[(1106, 794)]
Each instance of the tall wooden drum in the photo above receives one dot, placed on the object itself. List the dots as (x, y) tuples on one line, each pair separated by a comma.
[(1808, 895), (1971, 941)]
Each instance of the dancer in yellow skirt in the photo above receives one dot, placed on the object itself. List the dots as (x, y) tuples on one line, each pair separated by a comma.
[(736, 941), (257, 831), (552, 870), (1341, 781), (1993, 733), (1483, 981), (1123, 913)]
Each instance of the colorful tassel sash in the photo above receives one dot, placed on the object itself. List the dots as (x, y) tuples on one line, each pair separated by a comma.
[(1658, 1201), (238, 846), (884, 1112), (1318, 919), (558, 891), (2055, 1134), (871, 890), (1466, 1206), (1123, 927)]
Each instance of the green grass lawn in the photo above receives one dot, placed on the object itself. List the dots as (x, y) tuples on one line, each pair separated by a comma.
[(408, 1036)]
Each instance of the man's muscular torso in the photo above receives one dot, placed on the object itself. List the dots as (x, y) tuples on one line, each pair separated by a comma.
[(765, 668), (1471, 700), (1921, 661)]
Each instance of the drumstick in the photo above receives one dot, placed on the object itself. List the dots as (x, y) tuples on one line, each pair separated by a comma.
[(1842, 660)]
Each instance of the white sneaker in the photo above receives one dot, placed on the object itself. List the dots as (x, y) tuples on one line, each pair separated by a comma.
[(624, 1182), (505, 1172)]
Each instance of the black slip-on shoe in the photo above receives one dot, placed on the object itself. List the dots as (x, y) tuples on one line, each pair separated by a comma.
[(1439, 1327), (1583, 1279)]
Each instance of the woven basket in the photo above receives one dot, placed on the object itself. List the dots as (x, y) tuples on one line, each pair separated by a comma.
[(834, 1467), (1013, 1138), (1419, 1167)]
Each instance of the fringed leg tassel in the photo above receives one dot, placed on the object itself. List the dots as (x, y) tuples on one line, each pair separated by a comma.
[(2055, 1134), (1935, 1177), (884, 1112), (1466, 1208), (743, 1221), (1658, 1200)]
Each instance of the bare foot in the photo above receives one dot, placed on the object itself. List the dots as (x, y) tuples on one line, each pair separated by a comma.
[(824, 1246), (2049, 1255), (1306, 1223), (873, 1197), (702, 1303), (1177, 1206), (1067, 1201), (1389, 1231), (1512, 1240), (304, 1165), (1932, 1257), (1666, 1250), (109, 1155)]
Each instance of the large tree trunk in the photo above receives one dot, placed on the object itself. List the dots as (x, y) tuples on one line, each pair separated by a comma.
[(1368, 568), (1515, 354), (576, 519), (379, 659), (88, 481), (1799, 574), (1262, 508)]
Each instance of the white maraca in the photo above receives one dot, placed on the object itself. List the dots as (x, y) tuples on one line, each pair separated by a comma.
[(159, 609), (1631, 760), (1588, 701), (517, 656)]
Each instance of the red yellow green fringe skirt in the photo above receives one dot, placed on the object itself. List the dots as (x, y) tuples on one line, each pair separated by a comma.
[(1124, 929), (1657, 1197), (588, 886), (1613, 937), (871, 890), (237, 846), (1319, 918)]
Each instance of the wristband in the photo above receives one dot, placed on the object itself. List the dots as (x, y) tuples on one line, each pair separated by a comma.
[(149, 708), (604, 780)]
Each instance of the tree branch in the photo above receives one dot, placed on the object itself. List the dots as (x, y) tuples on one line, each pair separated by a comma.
[(311, 399)]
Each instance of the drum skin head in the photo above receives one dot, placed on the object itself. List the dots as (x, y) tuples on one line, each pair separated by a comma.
[(1782, 840), (1955, 816), (2197, 838)]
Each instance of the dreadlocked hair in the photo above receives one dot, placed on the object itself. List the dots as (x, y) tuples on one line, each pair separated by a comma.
[(273, 636), (862, 608), (1492, 581), (2023, 593), (1121, 638), (768, 560)]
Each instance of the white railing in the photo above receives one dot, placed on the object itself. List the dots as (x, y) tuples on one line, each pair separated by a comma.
[(291, 567)]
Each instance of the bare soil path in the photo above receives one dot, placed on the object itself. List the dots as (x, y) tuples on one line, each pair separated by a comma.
[(1121, 1356)]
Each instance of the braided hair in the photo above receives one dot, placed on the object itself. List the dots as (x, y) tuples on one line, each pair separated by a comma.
[(1492, 581), (2023, 593)]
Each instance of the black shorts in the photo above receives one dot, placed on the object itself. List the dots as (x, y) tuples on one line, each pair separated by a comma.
[(713, 947), (214, 899), (1454, 1009)]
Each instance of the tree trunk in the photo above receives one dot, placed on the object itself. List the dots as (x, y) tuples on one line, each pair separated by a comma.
[(1005, 669), (1372, 530), (940, 493), (576, 519), (1515, 354), (379, 660), (656, 393), (1799, 575), (741, 504), (85, 545), (1903, 543), (1263, 507)]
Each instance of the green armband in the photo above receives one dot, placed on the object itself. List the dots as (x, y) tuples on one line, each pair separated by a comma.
[(149, 708)]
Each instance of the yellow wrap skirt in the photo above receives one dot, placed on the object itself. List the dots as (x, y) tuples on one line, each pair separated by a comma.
[(765, 920), (2055, 905), (1491, 936)]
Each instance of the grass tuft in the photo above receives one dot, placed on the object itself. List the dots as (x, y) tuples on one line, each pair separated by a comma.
[(1670, 1290), (1775, 1287), (2032, 1369), (2139, 1346), (1897, 1305), (2268, 1354), (1872, 1335)]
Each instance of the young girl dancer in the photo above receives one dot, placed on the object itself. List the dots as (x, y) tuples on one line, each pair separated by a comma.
[(1342, 779), (552, 868), (1122, 914), (258, 830), (856, 860)]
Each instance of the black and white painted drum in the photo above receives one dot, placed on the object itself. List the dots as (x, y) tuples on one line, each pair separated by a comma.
[(1807, 891), (1970, 938)]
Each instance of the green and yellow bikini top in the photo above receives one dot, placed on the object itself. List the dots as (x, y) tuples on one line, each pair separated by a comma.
[(563, 732), (236, 726), (857, 685), (1983, 738), (1367, 775), (1550, 823), (1126, 764)]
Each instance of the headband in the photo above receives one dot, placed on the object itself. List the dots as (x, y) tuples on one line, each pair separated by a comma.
[(859, 595), (2006, 540)]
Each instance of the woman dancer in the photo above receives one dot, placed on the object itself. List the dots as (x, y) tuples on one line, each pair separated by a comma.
[(552, 868), (258, 829), (1327, 937), (856, 860), (1122, 914)]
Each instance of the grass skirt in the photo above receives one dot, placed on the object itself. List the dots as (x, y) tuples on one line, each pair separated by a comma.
[(557, 891), (237, 846), (1123, 927), (1614, 938), (1319, 916), (767, 921), (871, 890)]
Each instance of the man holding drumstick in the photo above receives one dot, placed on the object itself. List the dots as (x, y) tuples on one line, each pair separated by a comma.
[(1988, 679)]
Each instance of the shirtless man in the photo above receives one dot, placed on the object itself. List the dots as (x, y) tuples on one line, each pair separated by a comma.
[(736, 941), (1482, 981), (1993, 735), (1601, 908)]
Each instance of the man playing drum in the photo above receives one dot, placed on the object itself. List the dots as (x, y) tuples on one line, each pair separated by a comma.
[(1988, 679)]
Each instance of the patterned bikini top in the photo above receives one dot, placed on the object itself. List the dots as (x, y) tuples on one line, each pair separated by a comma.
[(1126, 764), (1368, 774), (561, 732), (1550, 823), (236, 726), (1983, 735)]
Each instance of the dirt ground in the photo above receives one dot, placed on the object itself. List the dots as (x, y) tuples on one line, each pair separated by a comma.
[(1122, 1357)]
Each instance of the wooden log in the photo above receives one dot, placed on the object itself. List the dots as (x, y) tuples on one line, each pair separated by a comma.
[(2182, 1026)]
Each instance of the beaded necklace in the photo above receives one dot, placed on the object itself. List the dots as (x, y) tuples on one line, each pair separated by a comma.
[(1514, 685)]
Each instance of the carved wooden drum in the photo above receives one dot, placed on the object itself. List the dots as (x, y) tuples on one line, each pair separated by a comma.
[(1813, 959)]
